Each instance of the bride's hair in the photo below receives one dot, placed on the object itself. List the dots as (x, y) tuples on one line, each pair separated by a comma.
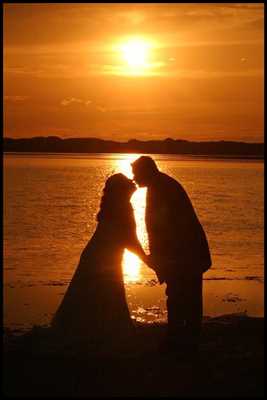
[(116, 197)]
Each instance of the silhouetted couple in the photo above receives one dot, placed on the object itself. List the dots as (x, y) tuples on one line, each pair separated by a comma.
[(94, 310)]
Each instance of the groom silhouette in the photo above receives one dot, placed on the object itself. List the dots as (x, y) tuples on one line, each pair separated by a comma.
[(179, 252)]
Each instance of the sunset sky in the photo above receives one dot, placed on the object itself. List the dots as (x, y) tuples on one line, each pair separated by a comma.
[(124, 71)]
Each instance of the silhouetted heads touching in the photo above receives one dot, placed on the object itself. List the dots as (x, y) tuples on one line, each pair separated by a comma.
[(117, 191), (144, 169), (119, 184)]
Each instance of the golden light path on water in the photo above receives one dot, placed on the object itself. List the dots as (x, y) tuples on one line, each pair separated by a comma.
[(131, 263)]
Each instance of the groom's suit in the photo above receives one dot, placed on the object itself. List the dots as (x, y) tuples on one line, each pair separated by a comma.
[(179, 250)]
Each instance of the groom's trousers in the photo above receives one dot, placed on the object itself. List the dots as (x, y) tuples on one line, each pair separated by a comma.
[(184, 306)]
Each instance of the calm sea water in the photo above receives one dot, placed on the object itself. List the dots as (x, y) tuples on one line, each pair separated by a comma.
[(50, 205)]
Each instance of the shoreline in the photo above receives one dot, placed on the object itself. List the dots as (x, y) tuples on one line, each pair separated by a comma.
[(15, 330), (25, 307), (182, 155)]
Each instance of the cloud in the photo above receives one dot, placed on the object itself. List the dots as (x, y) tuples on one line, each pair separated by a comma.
[(45, 24), (254, 24), (101, 109), (68, 101), (16, 99), (215, 74), (150, 69), (71, 100)]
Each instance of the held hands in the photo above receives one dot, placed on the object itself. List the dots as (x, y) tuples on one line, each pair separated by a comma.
[(151, 264)]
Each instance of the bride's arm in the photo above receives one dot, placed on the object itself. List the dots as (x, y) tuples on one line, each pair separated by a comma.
[(132, 242), (135, 247)]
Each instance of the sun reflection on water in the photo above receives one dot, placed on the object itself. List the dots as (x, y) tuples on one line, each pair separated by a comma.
[(131, 267), (131, 263)]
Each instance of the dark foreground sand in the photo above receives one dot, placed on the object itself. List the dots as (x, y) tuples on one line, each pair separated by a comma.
[(230, 364)]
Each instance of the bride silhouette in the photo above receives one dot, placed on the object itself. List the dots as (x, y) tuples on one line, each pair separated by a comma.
[(94, 310)]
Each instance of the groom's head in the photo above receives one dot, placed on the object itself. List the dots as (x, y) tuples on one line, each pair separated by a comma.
[(144, 169)]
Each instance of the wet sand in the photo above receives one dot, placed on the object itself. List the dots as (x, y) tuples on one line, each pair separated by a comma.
[(229, 364)]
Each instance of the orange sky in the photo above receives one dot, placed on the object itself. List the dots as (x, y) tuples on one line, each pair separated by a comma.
[(64, 74)]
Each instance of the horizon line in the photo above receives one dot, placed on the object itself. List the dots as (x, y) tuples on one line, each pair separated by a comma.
[(128, 140)]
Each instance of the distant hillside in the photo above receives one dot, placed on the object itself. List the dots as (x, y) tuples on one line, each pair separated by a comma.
[(54, 144)]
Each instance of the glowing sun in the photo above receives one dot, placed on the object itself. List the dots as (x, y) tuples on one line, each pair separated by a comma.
[(135, 53)]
